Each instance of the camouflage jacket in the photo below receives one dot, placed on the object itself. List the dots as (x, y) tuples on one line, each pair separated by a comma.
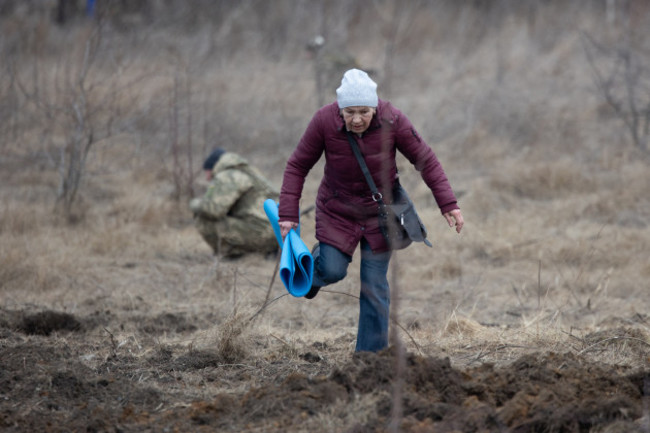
[(237, 190)]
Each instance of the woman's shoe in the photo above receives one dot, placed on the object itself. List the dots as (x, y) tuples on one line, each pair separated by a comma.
[(315, 252)]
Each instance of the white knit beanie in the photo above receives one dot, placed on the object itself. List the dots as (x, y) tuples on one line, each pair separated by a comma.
[(357, 89)]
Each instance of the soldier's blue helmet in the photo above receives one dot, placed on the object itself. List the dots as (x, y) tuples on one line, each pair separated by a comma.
[(214, 157)]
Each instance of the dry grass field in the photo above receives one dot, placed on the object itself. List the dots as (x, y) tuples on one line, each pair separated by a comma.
[(116, 317)]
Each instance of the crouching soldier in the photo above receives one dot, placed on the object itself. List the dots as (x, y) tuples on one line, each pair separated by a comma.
[(230, 216)]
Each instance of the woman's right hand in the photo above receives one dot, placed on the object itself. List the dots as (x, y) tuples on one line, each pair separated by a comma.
[(286, 226)]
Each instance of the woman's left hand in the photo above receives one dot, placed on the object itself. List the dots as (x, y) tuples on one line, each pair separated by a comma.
[(455, 218)]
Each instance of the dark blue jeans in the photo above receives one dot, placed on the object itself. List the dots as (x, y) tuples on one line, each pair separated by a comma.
[(374, 300)]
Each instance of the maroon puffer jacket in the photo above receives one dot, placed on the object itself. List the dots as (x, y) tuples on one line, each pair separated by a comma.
[(345, 211)]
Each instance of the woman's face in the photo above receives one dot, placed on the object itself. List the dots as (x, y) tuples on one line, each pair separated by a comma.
[(357, 119)]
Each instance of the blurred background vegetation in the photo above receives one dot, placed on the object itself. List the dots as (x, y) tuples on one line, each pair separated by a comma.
[(150, 86)]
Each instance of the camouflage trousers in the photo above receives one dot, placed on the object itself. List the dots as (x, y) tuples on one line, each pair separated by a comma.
[(232, 237)]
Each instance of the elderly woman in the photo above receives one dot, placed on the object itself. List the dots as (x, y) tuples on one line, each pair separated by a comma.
[(346, 214)]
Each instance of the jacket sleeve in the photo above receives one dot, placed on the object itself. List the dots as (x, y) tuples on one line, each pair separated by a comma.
[(302, 160), (226, 188), (411, 145)]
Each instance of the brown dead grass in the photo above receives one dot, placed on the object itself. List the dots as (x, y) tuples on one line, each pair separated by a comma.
[(553, 257)]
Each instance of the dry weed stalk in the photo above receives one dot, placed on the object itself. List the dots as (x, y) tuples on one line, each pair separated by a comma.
[(232, 346), (113, 343)]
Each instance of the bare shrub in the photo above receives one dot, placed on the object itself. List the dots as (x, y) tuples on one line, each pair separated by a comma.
[(76, 106), (232, 344), (181, 137), (621, 73)]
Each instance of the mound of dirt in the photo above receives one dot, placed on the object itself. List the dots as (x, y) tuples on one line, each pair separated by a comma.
[(46, 322)]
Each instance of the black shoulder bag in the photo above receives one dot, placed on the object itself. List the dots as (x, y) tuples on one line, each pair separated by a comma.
[(398, 220)]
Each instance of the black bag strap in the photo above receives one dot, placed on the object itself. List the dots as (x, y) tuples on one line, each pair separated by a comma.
[(376, 195)]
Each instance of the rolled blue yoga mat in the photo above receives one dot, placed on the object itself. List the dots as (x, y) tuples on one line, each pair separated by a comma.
[(296, 261)]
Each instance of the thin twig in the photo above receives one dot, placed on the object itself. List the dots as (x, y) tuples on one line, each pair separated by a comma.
[(266, 304), (275, 273), (281, 340)]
